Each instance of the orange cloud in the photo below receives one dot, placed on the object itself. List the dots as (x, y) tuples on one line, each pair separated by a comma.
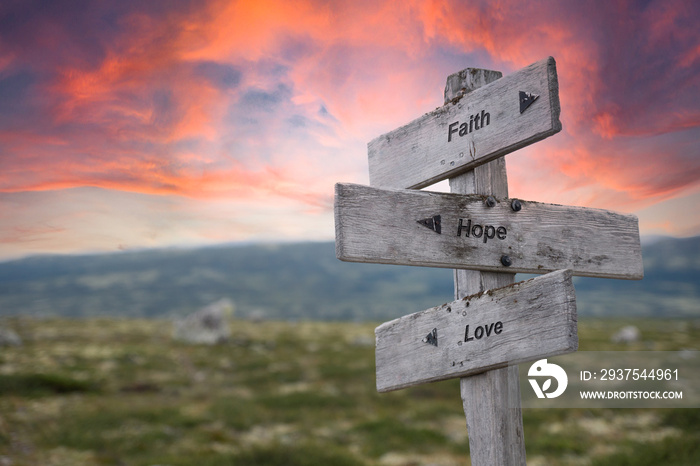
[(246, 100)]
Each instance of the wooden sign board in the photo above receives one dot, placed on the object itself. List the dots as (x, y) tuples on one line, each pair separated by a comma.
[(409, 227), (489, 122), (525, 321)]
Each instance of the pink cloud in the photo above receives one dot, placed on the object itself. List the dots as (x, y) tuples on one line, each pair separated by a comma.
[(276, 100)]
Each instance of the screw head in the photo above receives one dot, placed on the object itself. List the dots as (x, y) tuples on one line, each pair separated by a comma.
[(491, 201), (516, 205), (505, 260)]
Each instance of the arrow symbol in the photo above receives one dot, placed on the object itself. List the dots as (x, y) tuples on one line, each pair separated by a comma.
[(433, 223), (526, 99), (431, 338)]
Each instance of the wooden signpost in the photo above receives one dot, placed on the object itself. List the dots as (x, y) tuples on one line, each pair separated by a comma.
[(408, 227), (485, 124), (480, 332), (493, 324)]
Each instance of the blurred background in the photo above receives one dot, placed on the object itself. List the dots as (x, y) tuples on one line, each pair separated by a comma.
[(169, 292)]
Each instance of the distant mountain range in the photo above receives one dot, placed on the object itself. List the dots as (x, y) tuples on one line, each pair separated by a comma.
[(305, 281)]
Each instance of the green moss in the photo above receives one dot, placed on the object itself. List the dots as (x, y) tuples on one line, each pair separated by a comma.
[(687, 419), (237, 413), (287, 455), (680, 451), (32, 385), (389, 434), (277, 393)]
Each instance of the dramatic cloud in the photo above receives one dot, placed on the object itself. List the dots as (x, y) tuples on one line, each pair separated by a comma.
[(268, 103)]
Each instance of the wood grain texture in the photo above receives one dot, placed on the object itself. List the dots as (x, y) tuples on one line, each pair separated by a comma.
[(495, 426), (419, 153), (537, 320), (465, 81), (381, 226)]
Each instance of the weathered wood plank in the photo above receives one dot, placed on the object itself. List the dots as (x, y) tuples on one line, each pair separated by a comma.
[(393, 227), (430, 148), (521, 322)]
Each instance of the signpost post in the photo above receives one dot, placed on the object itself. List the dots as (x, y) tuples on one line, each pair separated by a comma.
[(493, 324), (491, 400)]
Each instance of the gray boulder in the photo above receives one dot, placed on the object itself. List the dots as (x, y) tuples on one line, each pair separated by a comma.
[(207, 326), (628, 334), (9, 338)]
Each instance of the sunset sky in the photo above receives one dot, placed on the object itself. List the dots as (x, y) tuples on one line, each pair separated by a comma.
[(131, 124)]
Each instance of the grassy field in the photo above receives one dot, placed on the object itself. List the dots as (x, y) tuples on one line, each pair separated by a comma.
[(122, 392)]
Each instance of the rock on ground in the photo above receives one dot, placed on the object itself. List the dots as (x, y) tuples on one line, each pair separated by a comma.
[(628, 334), (209, 325), (9, 338)]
